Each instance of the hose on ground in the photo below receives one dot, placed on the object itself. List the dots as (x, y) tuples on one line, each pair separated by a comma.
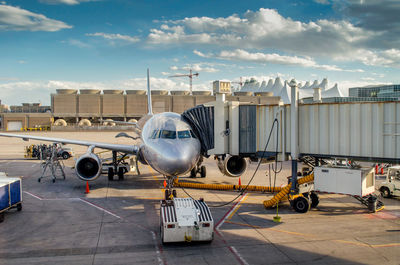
[(284, 191)]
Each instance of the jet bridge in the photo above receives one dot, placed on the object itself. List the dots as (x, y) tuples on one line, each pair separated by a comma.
[(364, 131)]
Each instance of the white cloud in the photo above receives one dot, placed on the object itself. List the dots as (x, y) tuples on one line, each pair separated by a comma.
[(267, 29), (78, 43), (322, 2), (176, 34), (112, 37), (273, 58), (368, 79), (388, 58), (65, 2), (17, 19), (199, 53), (197, 67)]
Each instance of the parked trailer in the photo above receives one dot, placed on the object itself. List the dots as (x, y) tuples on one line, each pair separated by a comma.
[(350, 181), (10, 195), (185, 220)]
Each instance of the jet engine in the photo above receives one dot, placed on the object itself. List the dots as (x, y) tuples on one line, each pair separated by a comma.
[(88, 167), (232, 166)]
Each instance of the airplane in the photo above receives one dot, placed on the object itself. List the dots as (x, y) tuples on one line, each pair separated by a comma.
[(169, 146)]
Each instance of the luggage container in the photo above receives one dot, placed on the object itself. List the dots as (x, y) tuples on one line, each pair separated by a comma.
[(185, 220), (10, 195), (356, 182)]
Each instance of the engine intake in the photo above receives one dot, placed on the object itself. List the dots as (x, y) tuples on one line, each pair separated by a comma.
[(88, 167), (232, 166)]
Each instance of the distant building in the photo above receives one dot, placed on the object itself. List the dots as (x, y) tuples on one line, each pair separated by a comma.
[(280, 88), (383, 92), (30, 108)]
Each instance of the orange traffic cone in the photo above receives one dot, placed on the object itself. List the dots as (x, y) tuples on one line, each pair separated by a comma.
[(240, 182), (165, 183), (87, 187)]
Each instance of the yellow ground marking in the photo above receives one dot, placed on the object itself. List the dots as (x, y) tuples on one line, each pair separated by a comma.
[(237, 207), (386, 245), (352, 243)]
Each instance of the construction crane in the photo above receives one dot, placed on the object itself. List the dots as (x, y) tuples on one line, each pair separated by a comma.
[(190, 75), (240, 83)]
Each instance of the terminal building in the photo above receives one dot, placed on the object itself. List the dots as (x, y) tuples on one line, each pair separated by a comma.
[(376, 91), (89, 108)]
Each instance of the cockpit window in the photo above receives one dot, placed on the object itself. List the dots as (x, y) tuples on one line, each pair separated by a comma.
[(183, 134), (155, 134), (168, 134)]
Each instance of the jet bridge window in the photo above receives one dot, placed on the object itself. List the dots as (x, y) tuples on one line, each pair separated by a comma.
[(168, 134), (183, 134)]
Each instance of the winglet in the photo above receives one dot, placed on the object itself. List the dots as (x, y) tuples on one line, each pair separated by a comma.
[(149, 94)]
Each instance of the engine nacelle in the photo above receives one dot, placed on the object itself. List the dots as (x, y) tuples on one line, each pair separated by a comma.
[(88, 167), (232, 166)]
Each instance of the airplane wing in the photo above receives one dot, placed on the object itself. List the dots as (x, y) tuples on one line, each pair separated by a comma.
[(128, 149)]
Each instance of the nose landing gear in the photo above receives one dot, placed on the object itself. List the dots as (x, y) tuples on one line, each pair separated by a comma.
[(199, 169), (169, 191)]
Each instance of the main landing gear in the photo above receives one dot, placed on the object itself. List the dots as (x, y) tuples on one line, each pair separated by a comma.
[(118, 166), (199, 169)]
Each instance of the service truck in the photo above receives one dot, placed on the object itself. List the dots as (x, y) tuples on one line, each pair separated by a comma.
[(391, 186)]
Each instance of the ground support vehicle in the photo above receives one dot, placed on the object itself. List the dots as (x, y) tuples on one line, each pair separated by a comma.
[(185, 220), (10, 194), (391, 186), (41, 151)]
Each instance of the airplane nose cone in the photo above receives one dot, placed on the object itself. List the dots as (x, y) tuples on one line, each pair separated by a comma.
[(180, 158)]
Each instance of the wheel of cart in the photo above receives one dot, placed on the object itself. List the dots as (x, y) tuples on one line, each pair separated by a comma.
[(167, 194), (385, 192), (65, 155), (110, 173), (314, 199), (1, 217), (121, 172), (301, 204), (193, 172), (203, 171)]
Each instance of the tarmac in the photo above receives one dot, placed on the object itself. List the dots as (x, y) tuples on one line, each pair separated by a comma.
[(118, 221)]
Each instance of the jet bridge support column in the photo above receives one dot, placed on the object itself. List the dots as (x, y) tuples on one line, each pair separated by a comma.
[(294, 132)]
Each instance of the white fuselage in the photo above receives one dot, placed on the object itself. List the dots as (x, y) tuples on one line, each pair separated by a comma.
[(169, 145)]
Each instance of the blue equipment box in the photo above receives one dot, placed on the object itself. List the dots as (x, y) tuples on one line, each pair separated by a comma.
[(10, 193)]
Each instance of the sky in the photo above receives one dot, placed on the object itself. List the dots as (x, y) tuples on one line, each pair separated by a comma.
[(108, 44)]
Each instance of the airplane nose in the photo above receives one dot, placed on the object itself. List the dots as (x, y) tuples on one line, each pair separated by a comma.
[(182, 157)]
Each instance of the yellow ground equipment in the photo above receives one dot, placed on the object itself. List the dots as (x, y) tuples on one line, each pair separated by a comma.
[(225, 187), (285, 191)]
